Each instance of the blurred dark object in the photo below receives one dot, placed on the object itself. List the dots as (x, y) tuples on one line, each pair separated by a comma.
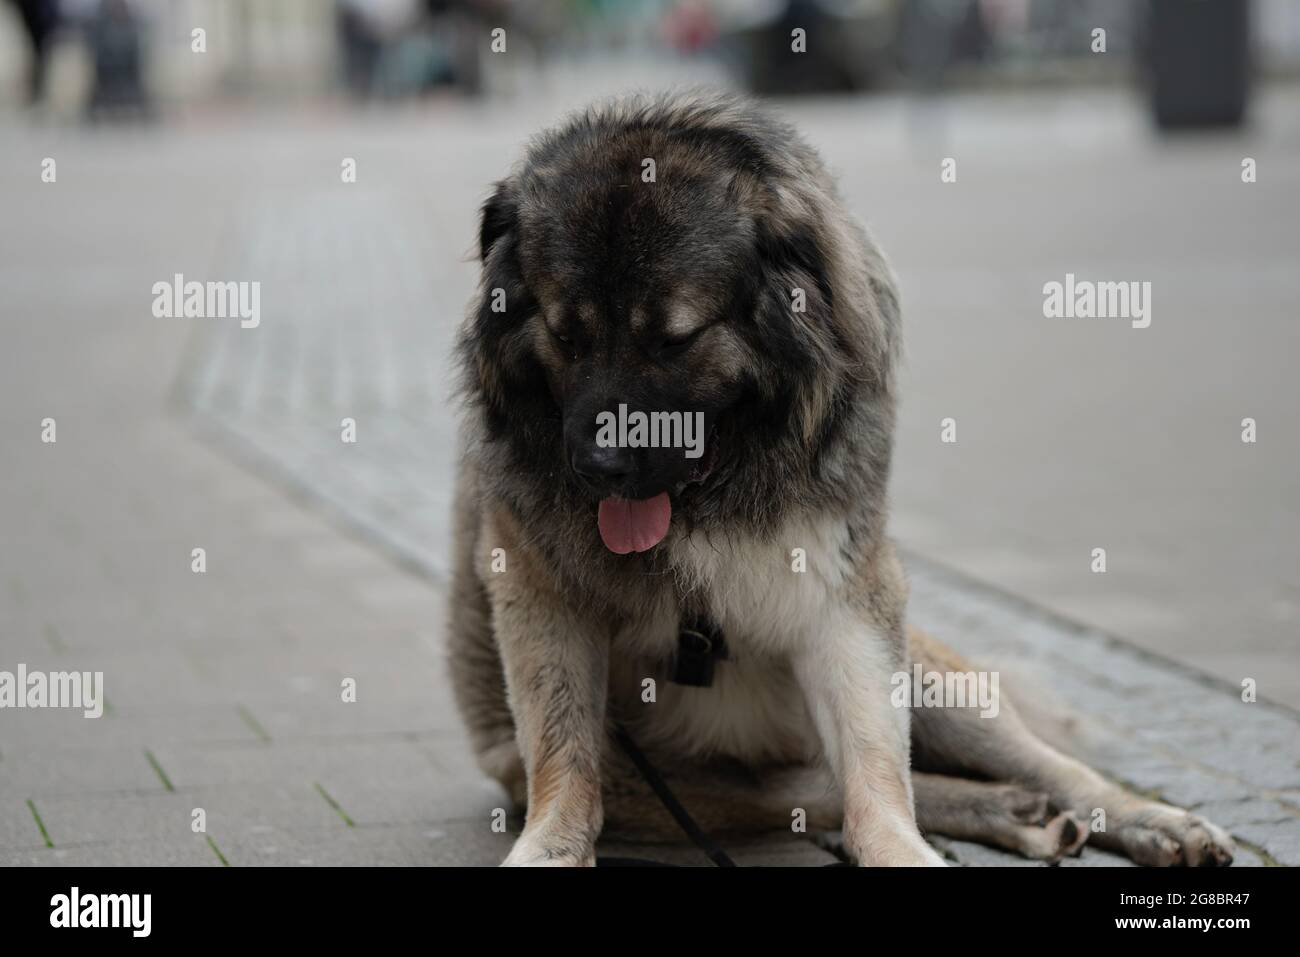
[(393, 50), (40, 20), (116, 38), (849, 46), (361, 44), (1199, 56), (935, 35)]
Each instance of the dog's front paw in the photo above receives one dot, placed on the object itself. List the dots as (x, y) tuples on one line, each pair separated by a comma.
[(924, 856), (894, 851), (536, 851)]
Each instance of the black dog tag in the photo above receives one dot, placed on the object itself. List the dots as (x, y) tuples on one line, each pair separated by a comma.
[(699, 647)]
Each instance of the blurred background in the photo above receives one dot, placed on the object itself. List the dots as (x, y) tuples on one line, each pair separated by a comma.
[(92, 56), (217, 154)]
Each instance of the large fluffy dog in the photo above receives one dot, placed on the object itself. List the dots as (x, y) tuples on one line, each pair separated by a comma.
[(690, 255)]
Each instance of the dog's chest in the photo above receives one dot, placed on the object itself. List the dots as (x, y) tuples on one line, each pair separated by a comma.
[(768, 598), (772, 592)]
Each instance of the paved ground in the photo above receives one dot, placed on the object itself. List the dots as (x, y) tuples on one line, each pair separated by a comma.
[(224, 687)]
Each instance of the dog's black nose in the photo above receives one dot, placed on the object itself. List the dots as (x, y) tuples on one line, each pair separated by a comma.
[(602, 464)]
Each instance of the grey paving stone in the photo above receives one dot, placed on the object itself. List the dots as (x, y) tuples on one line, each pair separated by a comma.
[(1186, 785), (18, 829), (194, 852), (1233, 814), (239, 809), (279, 762), (166, 816), (423, 706), (416, 797), (448, 844), (1245, 857), (1093, 857), (106, 818), (1279, 841), (372, 780), (968, 854), (65, 771), (123, 729), (1275, 769)]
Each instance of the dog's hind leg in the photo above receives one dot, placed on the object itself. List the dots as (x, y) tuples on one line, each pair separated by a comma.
[(1004, 815), (1002, 748), (728, 799), (724, 800)]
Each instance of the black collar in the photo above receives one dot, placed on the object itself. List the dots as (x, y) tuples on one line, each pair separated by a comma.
[(700, 645)]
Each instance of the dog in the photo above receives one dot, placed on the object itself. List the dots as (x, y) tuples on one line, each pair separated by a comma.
[(686, 257)]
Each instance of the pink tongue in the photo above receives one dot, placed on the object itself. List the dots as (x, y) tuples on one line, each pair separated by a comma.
[(634, 526)]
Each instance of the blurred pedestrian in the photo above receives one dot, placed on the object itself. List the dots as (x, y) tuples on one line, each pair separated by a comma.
[(40, 20), (115, 33)]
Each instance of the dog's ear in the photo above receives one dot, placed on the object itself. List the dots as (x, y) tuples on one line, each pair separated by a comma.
[(791, 257), (498, 218), (794, 255), (842, 339)]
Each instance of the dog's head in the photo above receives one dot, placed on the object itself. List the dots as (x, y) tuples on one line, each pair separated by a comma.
[(657, 314)]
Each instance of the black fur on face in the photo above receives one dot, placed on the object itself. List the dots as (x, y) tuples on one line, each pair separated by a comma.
[(673, 295)]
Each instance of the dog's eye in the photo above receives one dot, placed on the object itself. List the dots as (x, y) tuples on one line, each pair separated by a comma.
[(565, 343), (675, 345)]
